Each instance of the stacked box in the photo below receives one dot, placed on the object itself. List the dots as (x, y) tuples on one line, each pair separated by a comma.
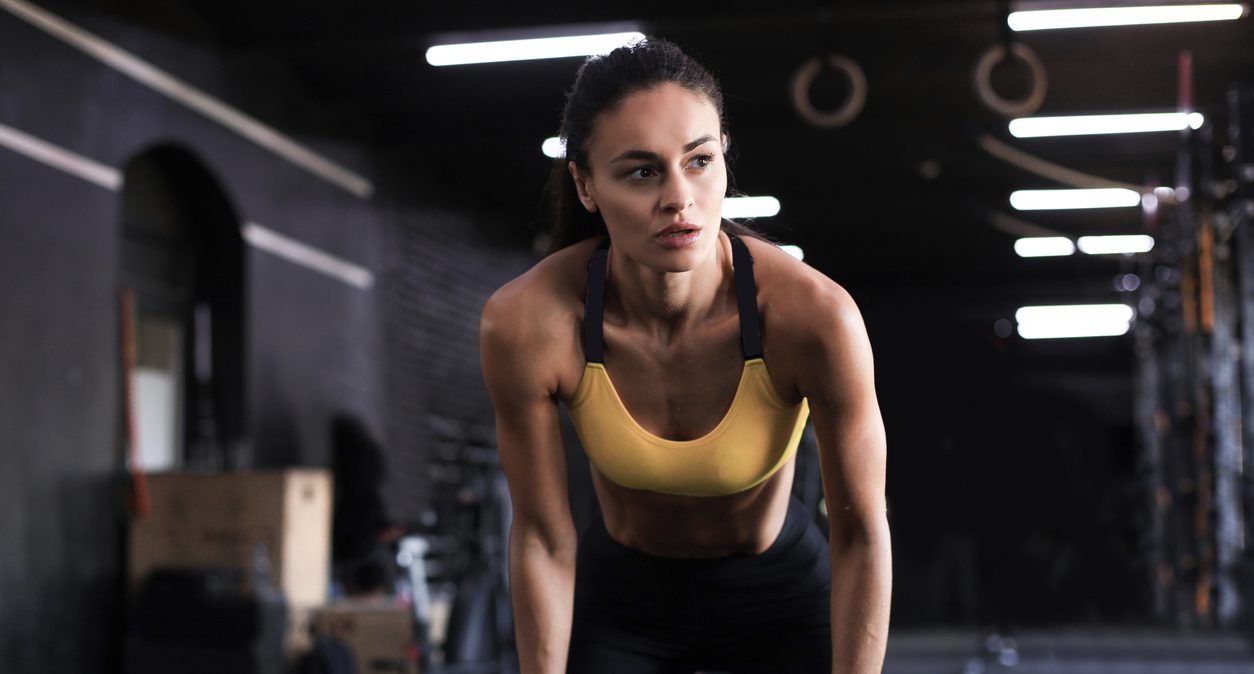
[(379, 633), (215, 520)]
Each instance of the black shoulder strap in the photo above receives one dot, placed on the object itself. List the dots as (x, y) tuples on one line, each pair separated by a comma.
[(746, 302), (594, 305), (746, 299)]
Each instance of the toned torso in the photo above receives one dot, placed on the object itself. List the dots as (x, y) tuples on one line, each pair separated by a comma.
[(677, 384)]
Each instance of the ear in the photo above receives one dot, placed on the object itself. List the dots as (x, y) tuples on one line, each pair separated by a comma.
[(581, 188)]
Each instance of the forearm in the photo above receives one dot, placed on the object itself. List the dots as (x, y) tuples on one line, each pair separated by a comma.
[(542, 587), (862, 578)]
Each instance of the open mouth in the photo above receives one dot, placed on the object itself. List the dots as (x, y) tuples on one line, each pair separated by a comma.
[(679, 229), (679, 235)]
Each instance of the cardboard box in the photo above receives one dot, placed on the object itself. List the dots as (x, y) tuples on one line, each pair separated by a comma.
[(380, 633), (216, 520)]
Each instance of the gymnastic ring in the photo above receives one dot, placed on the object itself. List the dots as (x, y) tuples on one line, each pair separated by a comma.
[(1004, 106), (804, 78)]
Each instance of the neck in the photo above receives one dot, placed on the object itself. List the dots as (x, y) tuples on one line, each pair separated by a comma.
[(667, 302)]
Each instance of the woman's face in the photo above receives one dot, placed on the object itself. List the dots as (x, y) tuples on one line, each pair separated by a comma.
[(657, 176)]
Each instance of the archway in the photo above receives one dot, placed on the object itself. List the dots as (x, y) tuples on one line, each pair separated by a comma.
[(183, 262)]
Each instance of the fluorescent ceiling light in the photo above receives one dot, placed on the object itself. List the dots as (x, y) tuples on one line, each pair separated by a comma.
[(1048, 200), (1085, 125), (1091, 17), (528, 50), (794, 251), (553, 147), (1077, 320), (1044, 246), (750, 207), (1115, 245)]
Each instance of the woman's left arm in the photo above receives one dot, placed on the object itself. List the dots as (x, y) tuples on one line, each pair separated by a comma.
[(840, 386)]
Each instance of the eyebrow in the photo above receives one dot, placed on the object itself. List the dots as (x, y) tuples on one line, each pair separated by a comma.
[(653, 156)]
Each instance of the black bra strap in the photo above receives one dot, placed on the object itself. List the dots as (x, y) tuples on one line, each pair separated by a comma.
[(746, 299), (594, 305), (746, 302)]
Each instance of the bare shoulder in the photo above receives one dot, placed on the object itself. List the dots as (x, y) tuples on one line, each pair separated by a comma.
[(794, 294), (550, 291), (814, 337), (532, 322)]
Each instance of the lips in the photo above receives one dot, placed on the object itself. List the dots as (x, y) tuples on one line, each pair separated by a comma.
[(677, 228), (679, 235)]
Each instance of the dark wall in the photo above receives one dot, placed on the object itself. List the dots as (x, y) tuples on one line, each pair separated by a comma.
[(57, 411), (440, 273), (315, 346), (1012, 489)]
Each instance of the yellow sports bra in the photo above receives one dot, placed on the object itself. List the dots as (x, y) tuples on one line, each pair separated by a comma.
[(758, 434)]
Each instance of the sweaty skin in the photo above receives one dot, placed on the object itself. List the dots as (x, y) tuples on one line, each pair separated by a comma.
[(672, 349)]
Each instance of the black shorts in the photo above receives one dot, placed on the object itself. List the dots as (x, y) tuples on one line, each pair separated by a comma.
[(636, 613)]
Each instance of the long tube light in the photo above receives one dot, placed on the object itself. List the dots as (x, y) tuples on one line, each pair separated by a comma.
[(1116, 245), (1092, 17), (750, 207), (1044, 246), (529, 49), (1057, 246), (1048, 200), (1075, 320), (1087, 125)]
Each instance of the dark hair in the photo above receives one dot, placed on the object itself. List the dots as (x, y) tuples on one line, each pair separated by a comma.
[(600, 85)]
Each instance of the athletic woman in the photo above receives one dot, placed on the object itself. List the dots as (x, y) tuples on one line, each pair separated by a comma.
[(689, 353)]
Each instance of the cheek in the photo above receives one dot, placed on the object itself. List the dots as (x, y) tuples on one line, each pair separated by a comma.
[(716, 177), (622, 199), (716, 187), (719, 184)]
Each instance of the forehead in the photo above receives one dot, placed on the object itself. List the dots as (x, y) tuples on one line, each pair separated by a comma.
[(659, 120)]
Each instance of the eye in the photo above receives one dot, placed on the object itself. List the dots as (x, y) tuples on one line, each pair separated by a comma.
[(641, 173), (701, 161)]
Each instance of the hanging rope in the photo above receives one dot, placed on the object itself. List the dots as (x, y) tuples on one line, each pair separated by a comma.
[(1061, 174), (1020, 228)]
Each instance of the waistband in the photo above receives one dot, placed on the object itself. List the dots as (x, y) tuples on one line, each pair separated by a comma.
[(597, 543)]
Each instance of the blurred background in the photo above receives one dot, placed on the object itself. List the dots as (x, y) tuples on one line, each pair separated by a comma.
[(244, 248)]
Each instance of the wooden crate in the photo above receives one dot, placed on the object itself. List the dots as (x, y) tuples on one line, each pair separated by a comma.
[(381, 634), (216, 520)]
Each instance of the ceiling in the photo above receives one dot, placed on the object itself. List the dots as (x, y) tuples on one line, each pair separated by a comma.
[(903, 197)]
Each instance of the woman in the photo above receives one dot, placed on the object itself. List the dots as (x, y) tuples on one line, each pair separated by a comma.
[(654, 322)]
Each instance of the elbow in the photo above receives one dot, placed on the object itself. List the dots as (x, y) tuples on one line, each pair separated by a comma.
[(867, 533), (554, 540)]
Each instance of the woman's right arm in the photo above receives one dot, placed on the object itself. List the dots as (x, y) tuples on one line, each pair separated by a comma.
[(520, 371)]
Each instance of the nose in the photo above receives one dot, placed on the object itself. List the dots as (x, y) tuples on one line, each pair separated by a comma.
[(676, 194)]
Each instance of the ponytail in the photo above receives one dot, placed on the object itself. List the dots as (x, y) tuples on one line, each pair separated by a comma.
[(571, 222)]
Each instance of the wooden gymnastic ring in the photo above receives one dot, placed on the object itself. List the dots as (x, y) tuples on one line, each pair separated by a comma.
[(804, 78), (1004, 106)]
